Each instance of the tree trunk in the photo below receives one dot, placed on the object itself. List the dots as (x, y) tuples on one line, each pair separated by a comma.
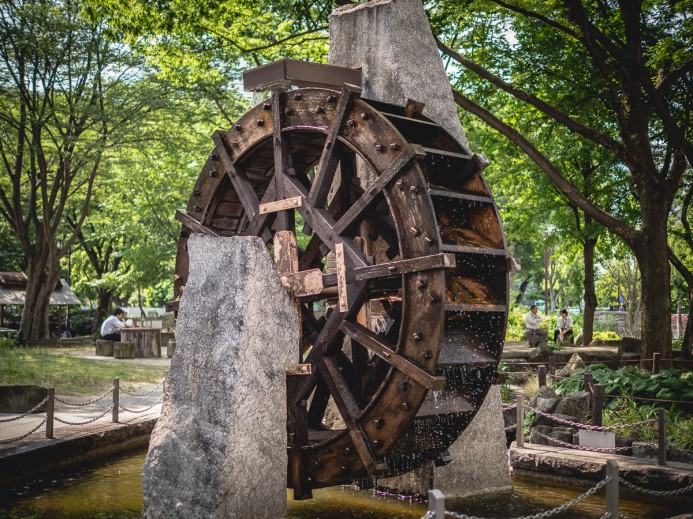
[(42, 278), (651, 251), (523, 289), (590, 293), (103, 306)]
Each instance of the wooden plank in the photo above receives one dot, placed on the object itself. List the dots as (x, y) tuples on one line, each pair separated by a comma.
[(475, 308), (379, 346), (282, 160), (349, 411), (342, 288), (469, 249), (304, 283), (192, 224), (442, 193), (281, 205), (451, 154), (260, 221), (287, 72), (414, 108), (329, 159), (369, 196), (244, 189)]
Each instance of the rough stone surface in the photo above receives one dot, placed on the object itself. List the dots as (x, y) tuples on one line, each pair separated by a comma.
[(651, 450), (543, 392), (219, 448), (22, 398), (547, 405), (480, 456), (575, 363), (541, 353), (124, 350), (575, 404), (391, 41), (170, 348), (631, 344), (104, 348), (417, 481), (579, 340)]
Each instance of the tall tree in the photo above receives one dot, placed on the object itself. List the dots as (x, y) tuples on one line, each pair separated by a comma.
[(66, 95), (633, 58)]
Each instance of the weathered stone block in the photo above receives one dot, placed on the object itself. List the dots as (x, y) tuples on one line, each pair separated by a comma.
[(219, 447), (124, 350), (104, 347), (21, 398), (170, 348), (575, 404)]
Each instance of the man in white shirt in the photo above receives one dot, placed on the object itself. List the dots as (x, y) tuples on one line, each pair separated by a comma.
[(110, 329), (565, 328), (535, 335)]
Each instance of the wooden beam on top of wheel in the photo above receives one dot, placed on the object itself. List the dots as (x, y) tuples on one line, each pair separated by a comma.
[(349, 410), (290, 72), (377, 345)]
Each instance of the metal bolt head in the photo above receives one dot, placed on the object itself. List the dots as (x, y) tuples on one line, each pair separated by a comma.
[(319, 110), (266, 106), (347, 451), (394, 146), (377, 444), (406, 406), (289, 111), (215, 156), (404, 385), (379, 147), (415, 231), (428, 239), (414, 189), (196, 192), (298, 97), (420, 284), (260, 122), (365, 116), (235, 144), (197, 208), (351, 123), (238, 127), (417, 336), (183, 233), (379, 423), (344, 469), (433, 298), (331, 98), (213, 173), (400, 184), (428, 354)]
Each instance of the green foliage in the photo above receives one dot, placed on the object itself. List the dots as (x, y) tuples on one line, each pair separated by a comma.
[(629, 381), (8, 342), (605, 335)]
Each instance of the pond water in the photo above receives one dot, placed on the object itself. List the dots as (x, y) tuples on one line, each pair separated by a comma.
[(111, 489)]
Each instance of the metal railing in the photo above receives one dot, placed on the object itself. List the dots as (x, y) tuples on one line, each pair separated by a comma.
[(114, 408)]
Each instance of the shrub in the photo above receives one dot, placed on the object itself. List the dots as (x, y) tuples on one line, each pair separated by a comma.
[(605, 335)]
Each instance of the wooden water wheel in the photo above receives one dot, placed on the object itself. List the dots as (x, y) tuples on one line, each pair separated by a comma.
[(400, 277)]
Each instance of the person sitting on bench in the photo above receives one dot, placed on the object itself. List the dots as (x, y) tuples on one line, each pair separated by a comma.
[(565, 328), (110, 329), (535, 335)]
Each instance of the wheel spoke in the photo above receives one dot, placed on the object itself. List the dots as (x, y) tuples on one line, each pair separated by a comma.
[(330, 153), (349, 410), (262, 221), (282, 161)]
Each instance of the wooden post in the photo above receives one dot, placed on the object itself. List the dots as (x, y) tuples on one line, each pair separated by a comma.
[(520, 436), (541, 375), (116, 399), (552, 369), (662, 439), (597, 404), (50, 412), (655, 363), (588, 382), (612, 489), (436, 504)]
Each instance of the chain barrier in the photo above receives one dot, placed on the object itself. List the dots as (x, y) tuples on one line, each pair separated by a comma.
[(677, 426), (642, 490), (580, 447), (12, 440), (82, 404), (140, 410), (15, 418), (509, 407), (542, 515), (510, 428), (144, 393), (66, 422), (587, 426)]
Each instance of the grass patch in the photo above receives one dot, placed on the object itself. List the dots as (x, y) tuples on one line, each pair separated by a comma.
[(69, 374)]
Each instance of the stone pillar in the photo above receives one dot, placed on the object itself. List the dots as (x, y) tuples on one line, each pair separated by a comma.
[(391, 41), (219, 448)]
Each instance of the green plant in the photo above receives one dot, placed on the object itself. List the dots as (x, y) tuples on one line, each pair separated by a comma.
[(677, 343), (605, 335), (8, 342)]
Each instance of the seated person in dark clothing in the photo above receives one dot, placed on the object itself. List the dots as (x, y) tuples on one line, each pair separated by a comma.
[(110, 329), (565, 328)]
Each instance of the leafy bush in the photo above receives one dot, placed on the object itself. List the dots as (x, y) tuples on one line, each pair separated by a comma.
[(605, 335), (8, 342), (676, 344)]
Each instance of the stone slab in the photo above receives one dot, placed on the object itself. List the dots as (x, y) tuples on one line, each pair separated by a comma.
[(391, 41), (21, 398), (219, 448)]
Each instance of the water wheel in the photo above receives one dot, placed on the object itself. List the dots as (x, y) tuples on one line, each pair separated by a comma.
[(400, 274)]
